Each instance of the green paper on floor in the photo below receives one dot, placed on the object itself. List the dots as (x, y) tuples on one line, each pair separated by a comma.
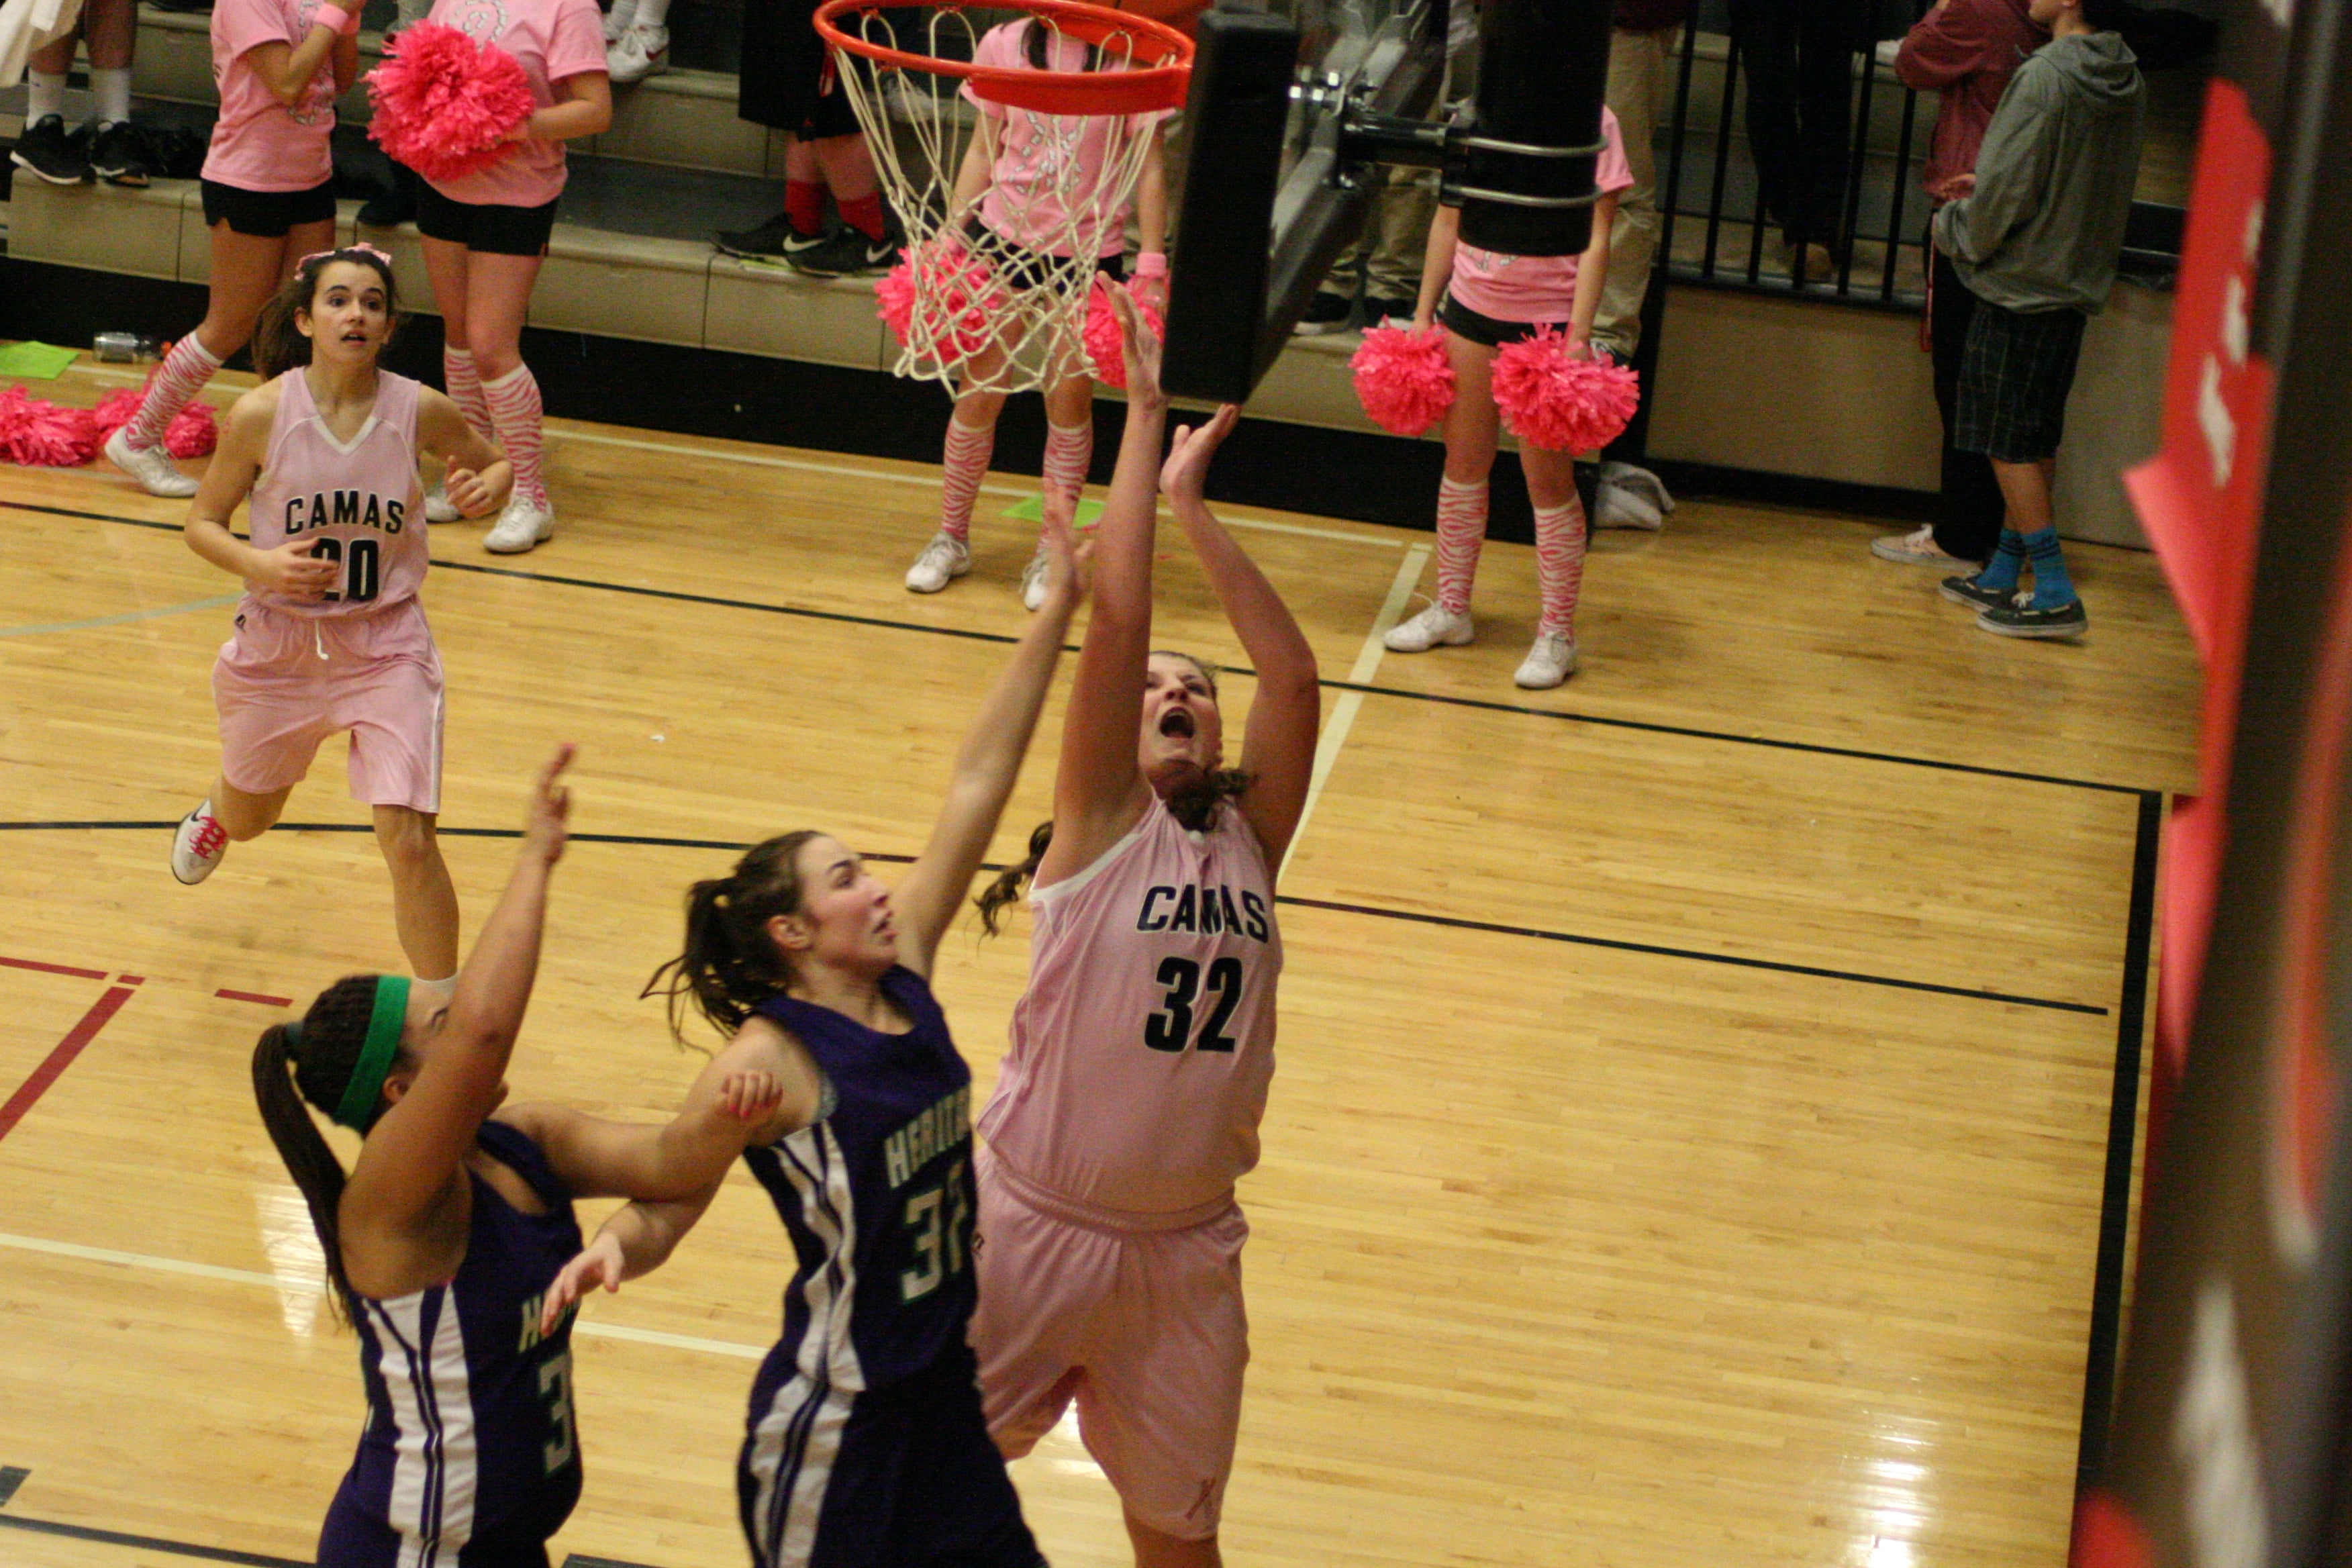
[(35, 361), (1033, 510)]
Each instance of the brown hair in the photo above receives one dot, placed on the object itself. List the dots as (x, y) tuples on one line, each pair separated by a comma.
[(313, 1063), (279, 344), (730, 965)]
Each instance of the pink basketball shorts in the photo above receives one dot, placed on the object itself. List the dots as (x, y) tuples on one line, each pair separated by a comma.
[(285, 682), (1143, 1328)]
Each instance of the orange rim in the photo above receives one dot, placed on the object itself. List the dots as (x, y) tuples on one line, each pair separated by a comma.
[(1159, 85)]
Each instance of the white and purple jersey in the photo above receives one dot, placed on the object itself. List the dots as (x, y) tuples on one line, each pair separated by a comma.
[(469, 1439), (360, 501)]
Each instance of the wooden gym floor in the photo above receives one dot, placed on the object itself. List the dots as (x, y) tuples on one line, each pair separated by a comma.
[(1689, 1140)]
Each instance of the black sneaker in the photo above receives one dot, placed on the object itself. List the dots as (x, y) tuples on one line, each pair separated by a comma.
[(1969, 591), (1326, 313), (1398, 311), (50, 152), (396, 206), (120, 156), (2024, 621), (848, 253), (774, 240)]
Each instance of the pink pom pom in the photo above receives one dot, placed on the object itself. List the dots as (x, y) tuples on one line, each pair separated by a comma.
[(961, 300), (192, 432), (1560, 404), (1402, 378), (443, 104), (39, 433), (1106, 345)]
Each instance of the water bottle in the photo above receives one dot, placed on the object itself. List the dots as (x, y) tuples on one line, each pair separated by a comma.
[(119, 348)]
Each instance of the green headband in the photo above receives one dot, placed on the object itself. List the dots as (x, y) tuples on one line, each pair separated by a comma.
[(357, 1108)]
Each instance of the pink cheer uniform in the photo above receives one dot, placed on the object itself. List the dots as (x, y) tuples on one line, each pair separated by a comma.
[(363, 658), (259, 144), (1042, 157), (1535, 288), (1127, 1106), (551, 39)]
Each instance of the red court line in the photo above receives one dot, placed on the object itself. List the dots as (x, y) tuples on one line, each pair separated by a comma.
[(52, 968), (62, 1057), (255, 996)]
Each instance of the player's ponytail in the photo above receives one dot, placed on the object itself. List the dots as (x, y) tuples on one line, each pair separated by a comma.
[(279, 344), (314, 1063), (1032, 45), (729, 964), (1007, 887)]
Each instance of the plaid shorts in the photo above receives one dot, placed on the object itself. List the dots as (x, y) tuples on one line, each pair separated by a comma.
[(2015, 372)]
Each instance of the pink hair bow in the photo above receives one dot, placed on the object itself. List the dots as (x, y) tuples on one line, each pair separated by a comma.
[(361, 247)]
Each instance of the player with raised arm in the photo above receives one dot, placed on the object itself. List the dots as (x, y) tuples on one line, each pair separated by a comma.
[(1129, 1104)]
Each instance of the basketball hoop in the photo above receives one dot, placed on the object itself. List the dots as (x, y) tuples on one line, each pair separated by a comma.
[(995, 285)]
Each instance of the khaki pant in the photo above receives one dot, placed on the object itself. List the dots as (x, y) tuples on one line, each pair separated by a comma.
[(1641, 66)]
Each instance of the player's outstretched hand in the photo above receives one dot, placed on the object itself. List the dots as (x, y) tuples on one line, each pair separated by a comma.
[(598, 1263), (1142, 347), (467, 493), (1186, 470), (751, 1095), (545, 820), (1069, 554), (293, 571)]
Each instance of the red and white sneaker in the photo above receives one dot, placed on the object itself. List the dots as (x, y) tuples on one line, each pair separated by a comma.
[(199, 845)]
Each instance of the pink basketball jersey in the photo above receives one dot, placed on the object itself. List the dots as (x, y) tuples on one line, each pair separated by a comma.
[(1142, 1050), (362, 502)]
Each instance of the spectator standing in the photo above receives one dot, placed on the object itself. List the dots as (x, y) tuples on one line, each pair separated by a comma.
[(1799, 58), (1965, 51), (1642, 41), (2035, 241), (108, 146)]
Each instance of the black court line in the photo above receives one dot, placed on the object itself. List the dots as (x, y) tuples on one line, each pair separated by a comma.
[(1537, 933), (217, 1553), (799, 612), (2099, 1372)]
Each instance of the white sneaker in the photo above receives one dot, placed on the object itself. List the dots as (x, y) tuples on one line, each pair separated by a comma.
[(1435, 626), (637, 54), (1917, 548), (1551, 661), (521, 526), (1642, 491), (438, 507), (943, 560), (619, 19), (198, 846), (151, 466), (1033, 580)]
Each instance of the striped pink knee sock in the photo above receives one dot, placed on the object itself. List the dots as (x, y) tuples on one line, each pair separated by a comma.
[(1559, 563), (180, 378), (1461, 529), (1069, 453), (966, 461), (465, 385), (515, 410)]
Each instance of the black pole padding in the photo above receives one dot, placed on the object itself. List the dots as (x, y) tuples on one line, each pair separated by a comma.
[(1543, 67)]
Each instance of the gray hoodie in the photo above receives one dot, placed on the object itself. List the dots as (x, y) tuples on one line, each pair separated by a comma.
[(2046, 222)]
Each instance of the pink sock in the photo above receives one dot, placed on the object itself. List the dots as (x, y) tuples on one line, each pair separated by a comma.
[(1069, 453), (1461, 529), (966, 460), (181, 376), (1559, 563), (465, 385), (515, 410)]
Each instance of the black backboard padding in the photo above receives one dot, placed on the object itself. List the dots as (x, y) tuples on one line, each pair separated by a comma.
[(1543, 67)]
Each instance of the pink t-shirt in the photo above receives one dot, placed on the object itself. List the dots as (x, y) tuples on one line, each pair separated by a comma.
[(1040, 156), (553, 39), (258, 144), (361, 502), (1534, 287), (1143, 1047)]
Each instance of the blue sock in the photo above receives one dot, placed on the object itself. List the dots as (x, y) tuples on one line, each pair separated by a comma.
[(2052, 588), (2008, 561)]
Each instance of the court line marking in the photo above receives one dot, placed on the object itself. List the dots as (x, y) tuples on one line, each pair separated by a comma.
[(212, 604), (1374, 911), (1343, 711), (1642, 725), (62, 1056), (181, 1266)]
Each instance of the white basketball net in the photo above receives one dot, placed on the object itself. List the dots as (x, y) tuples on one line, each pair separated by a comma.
[(1001, 304)]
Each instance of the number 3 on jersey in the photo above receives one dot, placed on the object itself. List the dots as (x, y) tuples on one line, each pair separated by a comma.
[(1170, 1027), (939, 1222)]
